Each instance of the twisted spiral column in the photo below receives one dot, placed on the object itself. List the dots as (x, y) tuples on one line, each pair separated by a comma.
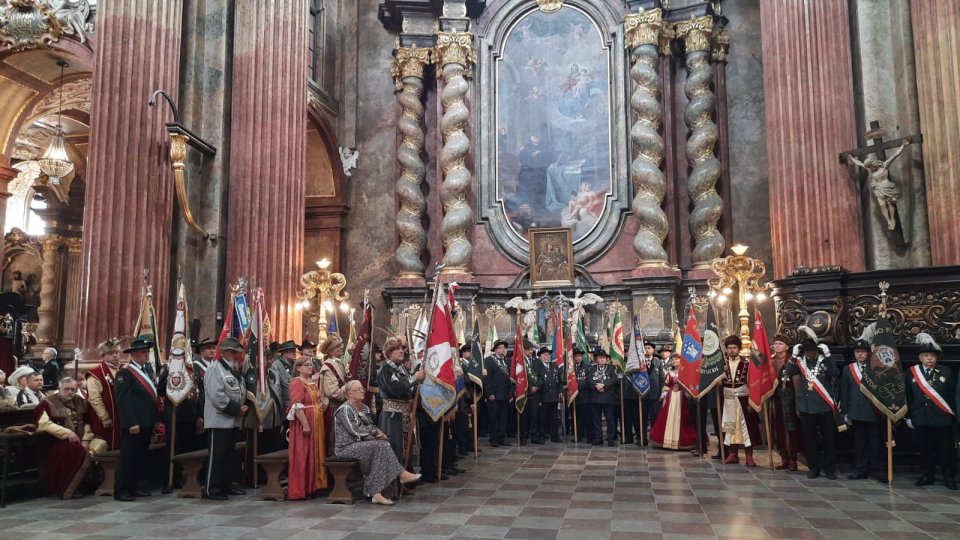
[(701, 142), (645, 32), (455, 57), (408, 75)]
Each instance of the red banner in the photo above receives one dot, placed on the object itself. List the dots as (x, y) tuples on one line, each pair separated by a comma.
[(761, 377), (691, 355), (518, 370)]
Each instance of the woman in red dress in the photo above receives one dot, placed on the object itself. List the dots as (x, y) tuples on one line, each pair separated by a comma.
[(674, 427), (307, 434)]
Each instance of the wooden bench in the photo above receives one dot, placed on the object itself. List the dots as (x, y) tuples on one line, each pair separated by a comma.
[(344, 472), (273, 464), (192, 463), (108, 462)]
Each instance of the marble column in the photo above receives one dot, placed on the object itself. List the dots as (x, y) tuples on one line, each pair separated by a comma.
[(701, 142), (268, 155), (936, 40), (407, 72), (646, 33), (808, 94), (127, 219), (454, 56), (48, 312), (71, 305)]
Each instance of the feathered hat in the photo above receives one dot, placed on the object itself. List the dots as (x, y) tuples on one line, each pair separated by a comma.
[(810, 342), (928, 344)]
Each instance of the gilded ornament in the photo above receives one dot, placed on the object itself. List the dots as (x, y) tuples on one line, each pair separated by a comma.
[(549, 6), (647, 28), (28, 24), (721, 44), (408, 62), (696, 33), (455, 48)]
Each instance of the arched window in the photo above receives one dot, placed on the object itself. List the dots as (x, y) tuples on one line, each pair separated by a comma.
[(316, 40), (21, 203)]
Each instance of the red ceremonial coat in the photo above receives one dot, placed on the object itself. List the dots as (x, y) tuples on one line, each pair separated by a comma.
[(66, 462), (109, 434), (675, 415)]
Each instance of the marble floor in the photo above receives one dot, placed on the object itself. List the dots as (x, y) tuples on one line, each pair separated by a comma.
[(555, 491)]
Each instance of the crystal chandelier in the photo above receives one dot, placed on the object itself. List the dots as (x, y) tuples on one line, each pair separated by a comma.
[(55, 163)]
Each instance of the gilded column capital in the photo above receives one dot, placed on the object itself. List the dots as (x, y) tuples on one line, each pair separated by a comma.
[(51, 242), (455, 48), (74, 245), (647, 27), (696, 33), (408, 62), (721, 44)]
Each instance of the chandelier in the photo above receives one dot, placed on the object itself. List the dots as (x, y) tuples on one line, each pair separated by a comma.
[(55, 163)]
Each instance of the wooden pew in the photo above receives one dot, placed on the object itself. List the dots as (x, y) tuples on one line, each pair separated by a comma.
[(274, 464)]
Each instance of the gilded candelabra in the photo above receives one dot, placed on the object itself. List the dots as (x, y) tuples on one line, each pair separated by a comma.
[(744, 273), (319, 289)]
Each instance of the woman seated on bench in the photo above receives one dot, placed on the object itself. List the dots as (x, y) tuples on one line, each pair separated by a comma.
[(356, 437)]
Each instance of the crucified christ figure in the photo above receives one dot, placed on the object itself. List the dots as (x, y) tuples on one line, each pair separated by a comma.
[(885, 190)]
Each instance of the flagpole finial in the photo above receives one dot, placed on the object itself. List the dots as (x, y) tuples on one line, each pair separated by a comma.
[(146, 275)]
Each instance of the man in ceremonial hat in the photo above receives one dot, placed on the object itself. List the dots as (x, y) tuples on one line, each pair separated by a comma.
[(101, 394), (497, 389), (863, 418), (397, 387), (138, 403), (929, 386), (583, 401), (223, 412), (278, 382), (552, 380), (332, 379), (530, 417), (656, 369), (786, 425), (606, 397), (309, 349), (813, 377), (741, 426)]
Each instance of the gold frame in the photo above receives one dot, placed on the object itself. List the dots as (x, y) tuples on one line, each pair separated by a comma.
[(563, 240)]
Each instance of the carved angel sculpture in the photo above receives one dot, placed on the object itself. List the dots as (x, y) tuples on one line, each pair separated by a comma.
[(527, 307), (72, 16), (348, 159)]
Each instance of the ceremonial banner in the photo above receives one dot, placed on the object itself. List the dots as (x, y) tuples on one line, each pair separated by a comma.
[(359, 368), (883, 381), (636, 370), (418, 338), (580, 340), (179, 381), (712, 362), (257, 357), (438, 391), (351, 340), (475, 368), (332, 327), (147, 326), (518, 370), (761, 378), (691, 353), (616, 342), (492, 337), (564, 357)]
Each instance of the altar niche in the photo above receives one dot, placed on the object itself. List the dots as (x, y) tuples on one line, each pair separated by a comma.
[(552, 144)]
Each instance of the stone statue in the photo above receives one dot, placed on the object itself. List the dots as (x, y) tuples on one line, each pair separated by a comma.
[(72, 15), (885, 190), (348, 160), (528, 308)]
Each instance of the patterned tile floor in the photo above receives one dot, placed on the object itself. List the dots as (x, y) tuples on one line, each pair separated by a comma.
[(555, 491)]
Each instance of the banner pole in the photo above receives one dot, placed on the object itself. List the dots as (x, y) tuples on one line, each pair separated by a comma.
[(576, 438), (889, 451), (720, 428), (443, 425), (766, 421), (476, 417), (701, 429), (641, 422), (518, 425), (173, 445), (412, 423), (623, 425)]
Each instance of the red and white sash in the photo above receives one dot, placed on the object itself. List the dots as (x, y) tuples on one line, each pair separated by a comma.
[(143, 379), (927, 389), (856, 373), (817, 385)]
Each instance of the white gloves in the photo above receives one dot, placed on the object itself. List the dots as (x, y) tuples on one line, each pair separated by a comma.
[(909, 423), (846, 420), (796, 350), (824, 349)]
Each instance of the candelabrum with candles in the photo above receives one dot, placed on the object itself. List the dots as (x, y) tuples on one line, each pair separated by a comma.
[(319, 291), (743, 275)]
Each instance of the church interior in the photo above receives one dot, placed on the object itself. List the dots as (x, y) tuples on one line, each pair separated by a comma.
[(652, 164)]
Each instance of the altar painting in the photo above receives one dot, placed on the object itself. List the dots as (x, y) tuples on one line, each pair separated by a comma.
[(553, 123)]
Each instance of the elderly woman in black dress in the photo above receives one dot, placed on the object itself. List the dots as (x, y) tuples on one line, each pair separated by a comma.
[(356, 437)]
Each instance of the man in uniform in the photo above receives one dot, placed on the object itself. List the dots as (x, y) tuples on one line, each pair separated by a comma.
[(606, 397), (929, 386), (397, 387), (783, 405), (101, 394), (498, 392), (862, 417), (583, 403), (223, 413), (550, 385), (530, 417), (275, 424), (651, 402), (741, 426), (813, 377), (138, 403)]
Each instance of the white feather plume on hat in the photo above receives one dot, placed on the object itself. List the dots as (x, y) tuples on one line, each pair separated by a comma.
[(869, 332), (925, 340), (809, 332)]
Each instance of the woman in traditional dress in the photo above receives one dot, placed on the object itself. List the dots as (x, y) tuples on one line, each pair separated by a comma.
[(356, 437), (307, 434), (674, 428)]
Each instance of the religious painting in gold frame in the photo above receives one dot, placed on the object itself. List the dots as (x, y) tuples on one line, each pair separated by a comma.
[(551, 256)]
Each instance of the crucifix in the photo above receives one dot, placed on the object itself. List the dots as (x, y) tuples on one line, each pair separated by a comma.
[(886, 191)]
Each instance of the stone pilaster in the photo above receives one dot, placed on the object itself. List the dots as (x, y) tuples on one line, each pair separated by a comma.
[(49, 310), (7, 174), (71, 305), (936, 33), (407, 72), (268, 150), (128, 213), (454, 56), (701, 142), (646, 34), (808, 93)]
